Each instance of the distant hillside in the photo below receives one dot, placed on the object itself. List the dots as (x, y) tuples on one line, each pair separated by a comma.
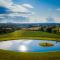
[(28, 24)]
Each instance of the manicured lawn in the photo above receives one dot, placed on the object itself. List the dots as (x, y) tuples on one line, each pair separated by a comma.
[(39, 34), (20, 34), (10, 55)]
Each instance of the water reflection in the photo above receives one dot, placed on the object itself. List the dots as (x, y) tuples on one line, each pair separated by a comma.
[(5, 45), (29, 45), (22, 48)]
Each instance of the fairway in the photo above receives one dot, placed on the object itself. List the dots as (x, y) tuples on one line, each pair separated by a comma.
[(21, 34), (10, 55)]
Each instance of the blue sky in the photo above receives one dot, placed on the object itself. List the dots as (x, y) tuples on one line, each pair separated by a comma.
[(29, 11)]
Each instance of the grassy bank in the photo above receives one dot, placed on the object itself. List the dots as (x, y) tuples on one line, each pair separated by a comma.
[(20, 34), (9, 55)]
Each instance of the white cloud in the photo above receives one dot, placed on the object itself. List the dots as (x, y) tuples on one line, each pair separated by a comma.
[(37, 19), (10, 5), (6, 3), (27, 5), (19, 14), (57, 20), (16, 9)]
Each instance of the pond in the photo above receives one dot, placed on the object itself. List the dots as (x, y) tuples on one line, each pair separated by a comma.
[(29, 45)]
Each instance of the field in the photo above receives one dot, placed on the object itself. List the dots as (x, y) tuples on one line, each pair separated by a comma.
[(10, 55), (21, 34)]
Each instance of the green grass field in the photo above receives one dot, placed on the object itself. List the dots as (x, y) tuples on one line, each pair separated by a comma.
[(21, 34), (10, 55)]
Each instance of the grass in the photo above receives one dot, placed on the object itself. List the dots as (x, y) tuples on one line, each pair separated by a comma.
[(10, 55), (21, 34), (44, 44)]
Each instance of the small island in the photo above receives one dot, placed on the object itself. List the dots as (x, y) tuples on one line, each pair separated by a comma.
[(45, 44)]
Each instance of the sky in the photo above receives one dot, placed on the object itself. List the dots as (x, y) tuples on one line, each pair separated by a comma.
[(29, 11)]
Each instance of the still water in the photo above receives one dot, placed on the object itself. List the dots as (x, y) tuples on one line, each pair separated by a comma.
[(29, 46)]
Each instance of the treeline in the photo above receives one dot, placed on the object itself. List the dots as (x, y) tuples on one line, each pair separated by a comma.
[(50, 29), (7, 29)]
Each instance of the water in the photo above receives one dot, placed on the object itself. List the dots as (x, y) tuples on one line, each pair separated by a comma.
[(29, 46)]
